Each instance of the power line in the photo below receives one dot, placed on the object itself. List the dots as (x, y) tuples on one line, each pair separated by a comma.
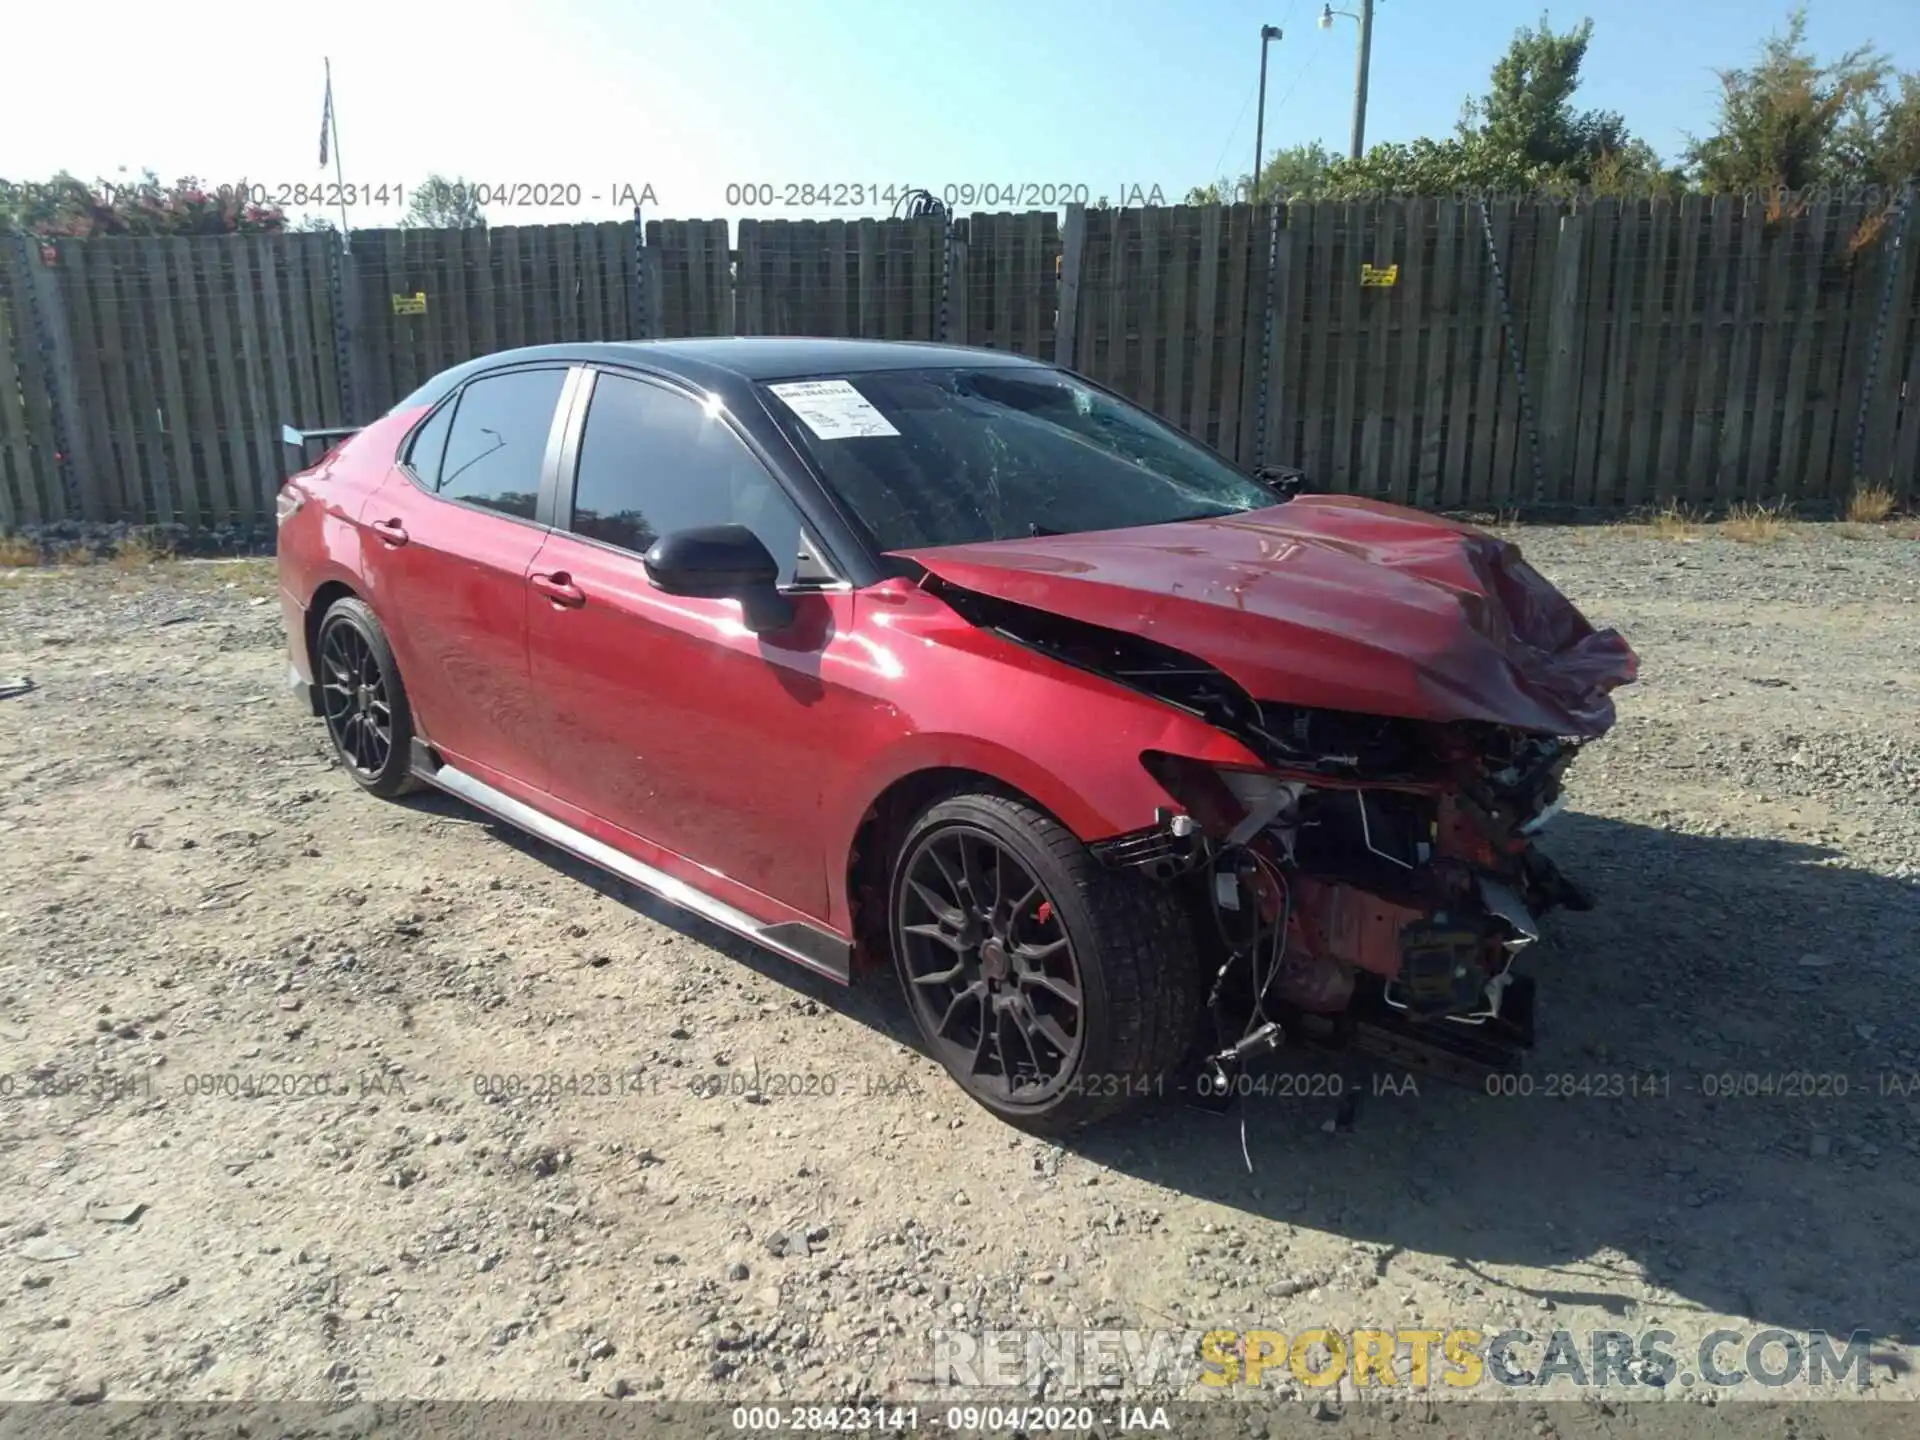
[(1300, 75), (1215, 173)]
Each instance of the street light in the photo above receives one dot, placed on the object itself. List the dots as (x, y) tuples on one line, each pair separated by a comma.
[(1268, 33), (1365, 20)]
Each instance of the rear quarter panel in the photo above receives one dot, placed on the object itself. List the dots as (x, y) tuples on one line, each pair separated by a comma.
[(322, 540)]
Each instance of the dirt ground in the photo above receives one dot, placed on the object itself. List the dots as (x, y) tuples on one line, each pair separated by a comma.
[(266, 1043)]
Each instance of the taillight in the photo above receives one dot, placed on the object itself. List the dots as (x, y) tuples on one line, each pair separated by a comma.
[(287, 503)]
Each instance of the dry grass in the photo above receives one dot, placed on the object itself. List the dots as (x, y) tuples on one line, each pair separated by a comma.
[(16, 552), (1672, 521), (1880, 530), (139, 550), (1869, 504), (1675, 521), (1757, 524)]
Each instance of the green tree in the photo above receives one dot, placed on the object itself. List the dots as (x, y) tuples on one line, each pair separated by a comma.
[(1635, 172), (1524, 133), (1297, 172), (438, 203), (1784, 120), (1435, 167), (1879, 141), (1528, 114)]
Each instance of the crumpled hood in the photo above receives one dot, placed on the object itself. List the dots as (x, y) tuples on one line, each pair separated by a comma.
[(1332, 602)]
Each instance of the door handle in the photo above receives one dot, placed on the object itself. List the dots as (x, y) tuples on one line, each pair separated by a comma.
[(391, 531), (559, 588)]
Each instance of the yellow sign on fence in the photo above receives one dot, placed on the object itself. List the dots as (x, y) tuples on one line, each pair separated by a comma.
[(414, 304), (1371, 275)]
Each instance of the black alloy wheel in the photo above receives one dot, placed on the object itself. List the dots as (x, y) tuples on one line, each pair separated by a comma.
[(353, 696), (1054, 990), (990, 966), (362, 699)]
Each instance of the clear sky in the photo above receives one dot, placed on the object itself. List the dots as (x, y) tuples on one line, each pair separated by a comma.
[(694, 95)]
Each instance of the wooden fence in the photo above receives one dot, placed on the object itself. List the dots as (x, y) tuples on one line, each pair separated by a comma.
[(1452, 354)]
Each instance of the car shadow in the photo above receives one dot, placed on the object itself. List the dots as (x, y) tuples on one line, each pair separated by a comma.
[(1717, 1106), (871, 1005)]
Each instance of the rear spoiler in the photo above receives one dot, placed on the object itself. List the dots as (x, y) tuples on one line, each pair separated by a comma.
[(298, 457)]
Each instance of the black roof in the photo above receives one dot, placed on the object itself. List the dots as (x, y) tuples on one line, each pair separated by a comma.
[(777, 357), (714, 362)]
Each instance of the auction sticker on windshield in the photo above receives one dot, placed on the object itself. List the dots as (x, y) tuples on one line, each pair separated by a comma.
[(833, 409)]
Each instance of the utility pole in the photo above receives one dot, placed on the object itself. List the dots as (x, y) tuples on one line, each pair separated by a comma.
[(1360, 79), (1365, 21), (1268, 33)]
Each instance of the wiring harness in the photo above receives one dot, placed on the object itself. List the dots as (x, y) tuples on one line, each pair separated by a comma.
[(1235, 889)]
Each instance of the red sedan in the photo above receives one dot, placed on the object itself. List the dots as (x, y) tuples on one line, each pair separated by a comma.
[(1132, 764)]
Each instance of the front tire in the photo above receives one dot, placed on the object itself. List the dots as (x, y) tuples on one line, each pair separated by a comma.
[(1056, 992), (363, 700)]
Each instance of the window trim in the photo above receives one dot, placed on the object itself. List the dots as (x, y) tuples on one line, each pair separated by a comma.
[(403, 457), (563, 409), (568, 474)]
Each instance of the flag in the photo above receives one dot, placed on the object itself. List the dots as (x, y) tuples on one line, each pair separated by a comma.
[(326, 119)]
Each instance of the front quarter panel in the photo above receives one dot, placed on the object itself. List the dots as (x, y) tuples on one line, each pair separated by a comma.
[(968, 698)]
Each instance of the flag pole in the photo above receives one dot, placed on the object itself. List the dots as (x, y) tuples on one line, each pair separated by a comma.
[(333, 126)]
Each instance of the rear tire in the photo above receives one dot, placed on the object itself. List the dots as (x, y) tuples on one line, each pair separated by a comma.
[(1056, 991), (363, 700)]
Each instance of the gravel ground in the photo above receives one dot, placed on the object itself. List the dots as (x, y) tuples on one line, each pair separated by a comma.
[(248, 1016)]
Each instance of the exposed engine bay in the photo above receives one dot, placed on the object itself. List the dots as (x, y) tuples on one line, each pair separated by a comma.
[(1370, 889)]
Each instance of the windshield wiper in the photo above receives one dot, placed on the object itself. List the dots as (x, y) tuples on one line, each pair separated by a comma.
[(1037, 531)]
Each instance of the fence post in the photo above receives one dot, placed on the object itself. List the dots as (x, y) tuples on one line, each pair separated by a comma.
[(1560, 393), (946, 276), (342, 343), (349, 338), (957, 321), (1514, 355), (1896, 263), (52, 339), (1066, 325), (637, 302), (1271, 397)]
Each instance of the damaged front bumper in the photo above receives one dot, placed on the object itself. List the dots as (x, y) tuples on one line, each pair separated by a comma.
[(1381, 914)]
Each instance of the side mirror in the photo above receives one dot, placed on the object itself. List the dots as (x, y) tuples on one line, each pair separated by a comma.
[(1284, 480), (722, 562)]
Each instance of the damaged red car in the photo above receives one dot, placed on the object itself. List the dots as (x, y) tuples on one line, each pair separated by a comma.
[(1133, 765)]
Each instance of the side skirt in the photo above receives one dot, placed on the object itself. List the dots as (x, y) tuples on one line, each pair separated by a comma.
[(819, 950)]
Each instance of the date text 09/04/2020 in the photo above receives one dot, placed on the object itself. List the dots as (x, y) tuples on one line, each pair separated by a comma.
[(963, 1419), (870, 194)]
